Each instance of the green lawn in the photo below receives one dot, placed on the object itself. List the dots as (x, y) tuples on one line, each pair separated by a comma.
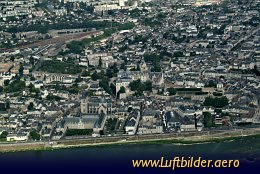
[(53, 66)]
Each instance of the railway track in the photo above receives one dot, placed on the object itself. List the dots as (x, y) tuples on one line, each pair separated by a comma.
[(52, 41)]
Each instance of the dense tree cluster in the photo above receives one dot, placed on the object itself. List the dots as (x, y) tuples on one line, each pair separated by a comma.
[(217, 102), (171, 91), (208, 120), (71, 132), (211, 84), (54, 66), (3, 135), (53, 97), (103, 81), (34, 135), (155, 60), (139, 87), (111, 124), (15, 86)]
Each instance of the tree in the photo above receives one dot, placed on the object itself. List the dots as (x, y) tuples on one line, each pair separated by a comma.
[(7, 105), (21, 70), (129, 109), (85, 73), (3, 135), (6, 82), (90, 9), (217, 94), (13, 36), (109, 73), (217, 102), (77, 81), (71, 132), (148, 86), (33, 89), (256, 71), (75, 47), (56, 98), (12, 58), (113, 88), (123, 66), (16, 86), (31, 60), (115, 69), (134, 85), (211, 84), (104, 84), (156, 67), (101, 132), (178, 54), (34, 135), (30, 106), (171, 91), (151, 57), (94, 76), (208, 120), (100, 62), (121, 91), (140, 87), (88, 93), (55, 66)]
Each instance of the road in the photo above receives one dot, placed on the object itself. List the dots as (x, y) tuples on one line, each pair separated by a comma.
[(195, 137), (244, 38)]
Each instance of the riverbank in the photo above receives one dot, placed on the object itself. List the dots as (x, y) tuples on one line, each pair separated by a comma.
[(177, 138)]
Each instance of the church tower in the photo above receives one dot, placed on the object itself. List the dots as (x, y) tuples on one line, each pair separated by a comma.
[(142, 65)]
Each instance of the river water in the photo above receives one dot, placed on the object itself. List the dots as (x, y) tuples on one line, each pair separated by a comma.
[(117, 158)]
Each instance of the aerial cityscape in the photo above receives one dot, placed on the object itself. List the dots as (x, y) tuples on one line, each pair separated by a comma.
[(116, 71)]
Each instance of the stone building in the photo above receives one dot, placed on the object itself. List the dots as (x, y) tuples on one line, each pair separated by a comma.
[(95, 106)]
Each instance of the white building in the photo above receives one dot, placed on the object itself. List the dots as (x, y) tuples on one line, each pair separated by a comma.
[(124, 82), (17, 137)]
